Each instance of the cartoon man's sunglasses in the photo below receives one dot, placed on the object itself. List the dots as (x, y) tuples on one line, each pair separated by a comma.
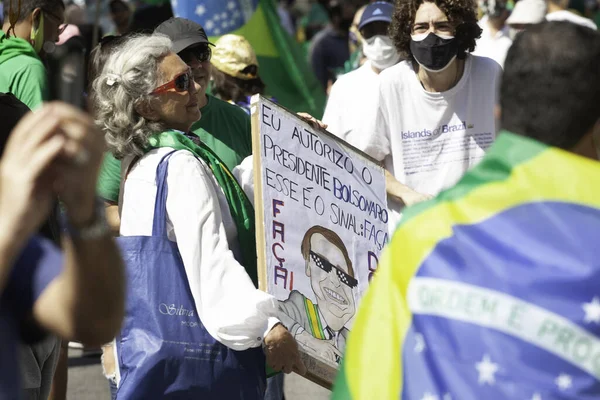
[(326, 266)]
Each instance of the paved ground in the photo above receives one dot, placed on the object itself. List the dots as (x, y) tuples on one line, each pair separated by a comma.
[(87, 383)]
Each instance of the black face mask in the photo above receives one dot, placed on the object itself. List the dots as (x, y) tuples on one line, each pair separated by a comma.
[(434, 53)]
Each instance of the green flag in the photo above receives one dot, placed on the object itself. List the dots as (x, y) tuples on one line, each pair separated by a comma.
[(283, 65)]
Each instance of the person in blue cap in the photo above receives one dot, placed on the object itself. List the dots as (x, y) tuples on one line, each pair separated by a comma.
[(344, 107)]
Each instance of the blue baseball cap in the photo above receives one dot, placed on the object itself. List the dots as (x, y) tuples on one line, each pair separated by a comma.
[(377, 11)]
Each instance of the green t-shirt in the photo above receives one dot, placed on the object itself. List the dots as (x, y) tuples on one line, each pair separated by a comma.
[(225, 128), (22, 73), (230, 138)]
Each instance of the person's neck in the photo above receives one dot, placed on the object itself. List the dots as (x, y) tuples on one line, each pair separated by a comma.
[(495, 25), (123, 29), (18, 31), (375, 69), (553, 7), (181, 128), (438, 82), (339, 31), (587, 148), (202, 100)]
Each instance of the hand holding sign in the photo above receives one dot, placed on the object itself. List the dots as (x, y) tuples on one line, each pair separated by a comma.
[(282, 351), (402, 192), (315, 123)]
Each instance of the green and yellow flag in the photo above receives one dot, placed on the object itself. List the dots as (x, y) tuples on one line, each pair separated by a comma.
[(490, 291), (283, 66)]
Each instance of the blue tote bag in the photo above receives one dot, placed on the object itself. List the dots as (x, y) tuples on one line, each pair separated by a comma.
[(164, 350)]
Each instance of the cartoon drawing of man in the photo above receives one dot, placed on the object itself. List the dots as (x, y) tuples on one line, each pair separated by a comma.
[(320, 327)]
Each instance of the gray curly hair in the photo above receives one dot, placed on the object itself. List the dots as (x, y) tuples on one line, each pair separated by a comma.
[(130, 74)]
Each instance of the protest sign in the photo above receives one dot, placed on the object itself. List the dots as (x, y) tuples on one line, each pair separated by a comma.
[(321, 225)]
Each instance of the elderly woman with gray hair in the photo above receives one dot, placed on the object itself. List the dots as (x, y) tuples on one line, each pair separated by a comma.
[(145, 102)]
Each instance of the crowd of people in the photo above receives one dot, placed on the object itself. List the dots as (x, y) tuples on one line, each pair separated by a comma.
[(95, 204)]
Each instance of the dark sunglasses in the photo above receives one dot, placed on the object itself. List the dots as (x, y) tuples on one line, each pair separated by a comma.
[(326, 266), (200, 53), (181, 83)]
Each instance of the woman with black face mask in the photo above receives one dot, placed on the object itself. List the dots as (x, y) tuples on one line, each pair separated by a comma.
[(434, 116)]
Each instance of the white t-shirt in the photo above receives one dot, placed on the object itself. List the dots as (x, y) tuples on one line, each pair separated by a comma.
[(494, 46), (347, 100), (429, 140), (564, 15)]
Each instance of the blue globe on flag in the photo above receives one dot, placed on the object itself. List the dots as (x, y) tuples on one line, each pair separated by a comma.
[(216, 17)]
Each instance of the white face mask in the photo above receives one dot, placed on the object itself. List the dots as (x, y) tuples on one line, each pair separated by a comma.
[(380, 51)]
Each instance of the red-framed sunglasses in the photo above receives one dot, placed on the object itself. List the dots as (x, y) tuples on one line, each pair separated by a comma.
[(181, 83)]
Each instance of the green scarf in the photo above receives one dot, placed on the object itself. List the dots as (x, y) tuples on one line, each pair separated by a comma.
[(240, 207)]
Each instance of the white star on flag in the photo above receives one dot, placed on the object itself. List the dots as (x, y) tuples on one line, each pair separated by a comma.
[(217, 17), (174, 3), (209, 25), (564, 382), (224, 24), (224, 15), (486, 369), (231, 5), (420, 345), (536, 396), (217, 31), (236, 14), (200, 10), (592, 311), (429, 396)]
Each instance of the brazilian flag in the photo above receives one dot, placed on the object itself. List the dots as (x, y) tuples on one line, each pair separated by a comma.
[(283, 66), (489, 291)]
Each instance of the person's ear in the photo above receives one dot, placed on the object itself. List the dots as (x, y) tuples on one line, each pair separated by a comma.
[(145, 109), (307, 268), (35, 17), (498, 112)]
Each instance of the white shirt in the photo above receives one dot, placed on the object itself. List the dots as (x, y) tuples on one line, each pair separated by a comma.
[(429, 140), (564, 15), (348, 98), (233, 311), (494, 46)]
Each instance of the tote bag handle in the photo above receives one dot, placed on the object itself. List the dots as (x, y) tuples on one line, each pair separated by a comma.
[(159, 222)]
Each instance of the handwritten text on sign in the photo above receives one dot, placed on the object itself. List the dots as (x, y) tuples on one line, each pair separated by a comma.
[(325, 225)]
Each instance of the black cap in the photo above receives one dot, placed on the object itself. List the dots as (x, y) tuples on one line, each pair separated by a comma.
[(183, 33)]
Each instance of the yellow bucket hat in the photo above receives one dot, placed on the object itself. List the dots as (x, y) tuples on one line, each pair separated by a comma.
[(232, 54)]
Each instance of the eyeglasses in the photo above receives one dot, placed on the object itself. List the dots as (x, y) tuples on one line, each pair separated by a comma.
[(326, 266), (181, 83), (61, 27), (201, 53), (443, 27)]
